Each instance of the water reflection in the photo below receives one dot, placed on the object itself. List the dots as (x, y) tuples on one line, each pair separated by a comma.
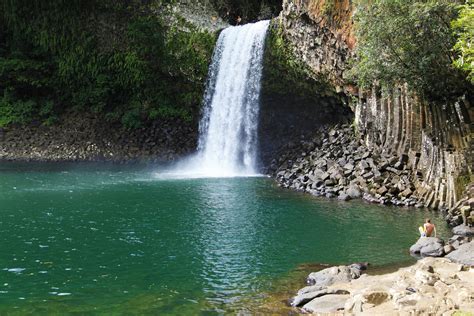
[(227, 238), (185, 246)]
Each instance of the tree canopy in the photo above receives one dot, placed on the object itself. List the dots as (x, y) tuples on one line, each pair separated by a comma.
[(406, 41)]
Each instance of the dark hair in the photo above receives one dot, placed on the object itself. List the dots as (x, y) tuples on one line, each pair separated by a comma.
[(428, 220)]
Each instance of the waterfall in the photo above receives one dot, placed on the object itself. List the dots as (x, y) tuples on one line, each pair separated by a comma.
[(228, 128)]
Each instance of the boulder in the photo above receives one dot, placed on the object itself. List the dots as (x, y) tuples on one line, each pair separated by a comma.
[(343, 196), (330, 276), (353, 191), (463, 230), (464, 254), (428, 247)]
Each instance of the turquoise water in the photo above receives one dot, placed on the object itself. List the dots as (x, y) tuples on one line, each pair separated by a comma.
[(117, 239)]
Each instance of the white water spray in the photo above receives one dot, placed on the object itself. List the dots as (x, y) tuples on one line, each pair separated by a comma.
[(228, 128)]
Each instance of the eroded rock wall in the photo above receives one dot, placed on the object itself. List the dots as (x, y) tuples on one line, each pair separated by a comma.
[(435, 140)]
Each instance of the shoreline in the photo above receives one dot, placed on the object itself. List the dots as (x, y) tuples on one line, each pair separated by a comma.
[(430, 285)]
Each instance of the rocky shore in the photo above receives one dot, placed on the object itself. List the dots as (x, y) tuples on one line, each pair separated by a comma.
[(87, 137), (432, 286), (335, 163)]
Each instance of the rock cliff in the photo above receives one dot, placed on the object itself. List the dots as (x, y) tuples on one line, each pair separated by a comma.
[(436, 142)]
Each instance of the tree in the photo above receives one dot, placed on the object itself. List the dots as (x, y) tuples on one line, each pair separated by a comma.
[(406, 41)]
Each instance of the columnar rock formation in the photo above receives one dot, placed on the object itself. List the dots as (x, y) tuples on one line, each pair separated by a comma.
[(436, 141)]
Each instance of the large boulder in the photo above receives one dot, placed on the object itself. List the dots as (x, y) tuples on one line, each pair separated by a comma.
[(428, 247), (463, 230), (464, 254)]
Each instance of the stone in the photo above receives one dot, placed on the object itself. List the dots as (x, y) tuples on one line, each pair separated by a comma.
[(368, 175), (464, 254), (363, 165), (349, 167), (382, 190), (303, 298), (406, 193), (330, 276), (393, 170), (343, 197), (353, 191), (448, 249), (326, 304), (426, 277), (398, 165), (428, 247), (319, 174), (463, 230)]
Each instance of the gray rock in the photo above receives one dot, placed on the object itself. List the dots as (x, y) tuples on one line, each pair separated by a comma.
[(354, 192), (330, 276), (428, 247), (463, 230), (326, 304), (304, 298), (343, 197), (464, 254)]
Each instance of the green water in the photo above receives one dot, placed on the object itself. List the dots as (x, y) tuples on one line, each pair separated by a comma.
[(110, 239)]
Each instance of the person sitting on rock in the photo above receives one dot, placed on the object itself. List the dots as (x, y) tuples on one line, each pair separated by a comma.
[(428, 229)]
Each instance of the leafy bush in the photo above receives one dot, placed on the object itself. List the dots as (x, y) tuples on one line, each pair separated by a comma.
[(408, 41), (113, 57), (464, 28)]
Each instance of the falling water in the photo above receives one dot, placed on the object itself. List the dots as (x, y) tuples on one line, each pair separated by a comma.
[(228, 128)]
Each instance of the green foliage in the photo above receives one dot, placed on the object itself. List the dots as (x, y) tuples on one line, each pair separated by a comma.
[(113, 57), (408, 41), (464, 28)]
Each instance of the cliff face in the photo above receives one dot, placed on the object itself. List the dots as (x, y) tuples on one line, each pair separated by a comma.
[(436, 141)]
